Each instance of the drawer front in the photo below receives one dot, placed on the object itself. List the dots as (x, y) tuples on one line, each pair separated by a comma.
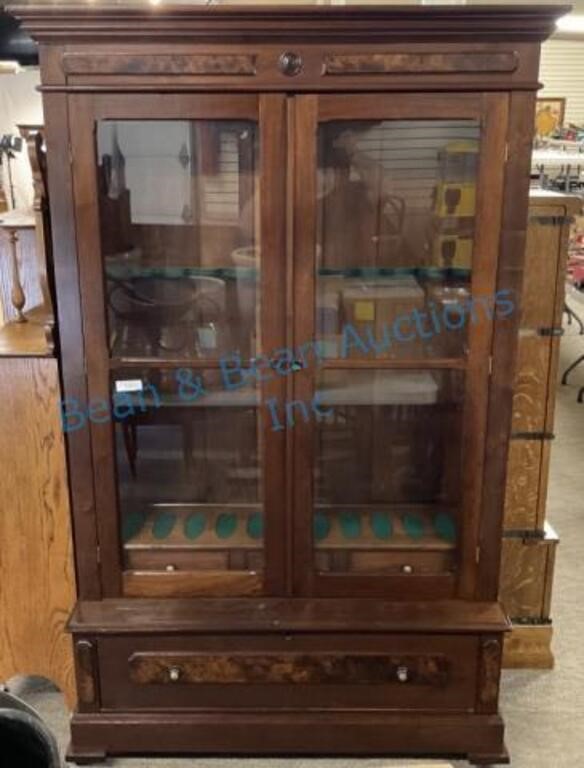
[(288, 671)]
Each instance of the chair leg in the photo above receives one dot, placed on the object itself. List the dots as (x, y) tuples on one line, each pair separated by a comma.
[(570, 368), (571, 314)]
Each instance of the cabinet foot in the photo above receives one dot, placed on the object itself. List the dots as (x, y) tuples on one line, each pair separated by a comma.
[(501, 758), (85, 758)]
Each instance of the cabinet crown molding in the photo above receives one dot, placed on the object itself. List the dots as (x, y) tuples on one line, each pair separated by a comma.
[(81, 23)]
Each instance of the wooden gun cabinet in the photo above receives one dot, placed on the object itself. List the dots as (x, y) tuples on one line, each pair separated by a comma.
[(288, 247)]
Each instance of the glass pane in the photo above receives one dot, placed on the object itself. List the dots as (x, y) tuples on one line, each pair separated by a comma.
[(189, 472), (388, 470), (396, 217), (179, 235)]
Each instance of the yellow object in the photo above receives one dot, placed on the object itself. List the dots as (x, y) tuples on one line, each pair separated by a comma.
[(453, 251), (456, 189), (364, 311), (456, 200)]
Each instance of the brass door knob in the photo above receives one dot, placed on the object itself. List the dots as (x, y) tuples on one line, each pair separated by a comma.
[(290, 63)]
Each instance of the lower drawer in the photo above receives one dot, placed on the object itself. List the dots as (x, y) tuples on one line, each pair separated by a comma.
[(288, 671)]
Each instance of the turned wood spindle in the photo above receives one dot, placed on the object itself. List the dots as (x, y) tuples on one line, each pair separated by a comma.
[(17, 292)]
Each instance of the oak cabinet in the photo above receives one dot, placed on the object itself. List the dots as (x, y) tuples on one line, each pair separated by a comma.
[(529, 543), (289, 245)]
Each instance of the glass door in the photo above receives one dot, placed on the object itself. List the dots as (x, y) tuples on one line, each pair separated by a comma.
[(396, 237), (180, 230)]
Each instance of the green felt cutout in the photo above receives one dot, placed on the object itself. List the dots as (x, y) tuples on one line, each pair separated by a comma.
[(445, 527), (255, 526), (322, 526), (413, 525), (163, 525), (225, 525), (195, 524), (382, 525), (350, 524), (132, 525)]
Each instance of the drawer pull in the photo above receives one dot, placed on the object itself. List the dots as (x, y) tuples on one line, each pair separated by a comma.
[(290, 63), (407, 569), (174, 674), (170, 568), (403, 674)]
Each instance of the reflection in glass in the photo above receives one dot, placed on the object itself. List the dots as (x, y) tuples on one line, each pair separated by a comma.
[(188, 466), (178, 214), (396, 215), (387, 477)]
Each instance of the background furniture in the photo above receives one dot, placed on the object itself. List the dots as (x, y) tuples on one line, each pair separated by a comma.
[(37, 582), (331, 551), (529, 543)]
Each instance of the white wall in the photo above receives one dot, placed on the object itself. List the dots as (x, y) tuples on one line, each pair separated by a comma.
[(562, 74), (20, 103)]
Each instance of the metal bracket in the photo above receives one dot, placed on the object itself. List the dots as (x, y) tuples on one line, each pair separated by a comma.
[(532, 436), (551, 331)]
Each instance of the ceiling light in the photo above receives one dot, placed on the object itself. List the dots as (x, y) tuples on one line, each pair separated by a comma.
[(571, 23)]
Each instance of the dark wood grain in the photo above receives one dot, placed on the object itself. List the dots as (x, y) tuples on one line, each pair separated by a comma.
[(412, 63), (159, 64), (317, 669)]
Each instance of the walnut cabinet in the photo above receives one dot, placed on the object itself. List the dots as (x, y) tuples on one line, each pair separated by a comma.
[(288, 246)]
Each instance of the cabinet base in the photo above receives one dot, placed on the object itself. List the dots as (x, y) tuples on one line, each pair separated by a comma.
[(478, 738), (529, 647)]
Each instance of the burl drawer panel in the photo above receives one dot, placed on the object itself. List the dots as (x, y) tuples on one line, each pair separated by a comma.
[(288, 671)]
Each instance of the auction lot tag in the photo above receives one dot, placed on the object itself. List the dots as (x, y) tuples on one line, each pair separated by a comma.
[(129, 385)]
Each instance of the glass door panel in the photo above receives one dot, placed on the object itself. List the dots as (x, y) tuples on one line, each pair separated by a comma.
[(397, 252), (183, 244), (178, 223), (189, 466), (179, 207), (395, 227), (387, 471)]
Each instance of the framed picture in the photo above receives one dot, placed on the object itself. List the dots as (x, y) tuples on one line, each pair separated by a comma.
[(549, 116)]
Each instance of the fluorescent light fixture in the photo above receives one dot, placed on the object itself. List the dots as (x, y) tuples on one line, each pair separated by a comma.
[(571, 23)]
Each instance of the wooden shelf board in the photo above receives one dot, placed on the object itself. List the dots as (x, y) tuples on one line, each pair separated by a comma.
[(400, 540), (208, 540)]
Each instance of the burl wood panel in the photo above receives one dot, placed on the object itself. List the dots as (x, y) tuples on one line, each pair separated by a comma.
[(159, 64), (489, 674), (412, 63), (37, 586), (527, 576), (87, 676), (289, 669)]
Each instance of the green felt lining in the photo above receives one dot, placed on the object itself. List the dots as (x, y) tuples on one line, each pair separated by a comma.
[(413, 525), (322, 526), (132, 524), (255, 526), (350, 523), (226, 525), (163, 525), (445, 527), (382, 525), (195, 524)]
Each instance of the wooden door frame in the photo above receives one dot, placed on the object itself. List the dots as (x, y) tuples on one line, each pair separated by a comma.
[(270, 113), (491, 109)]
